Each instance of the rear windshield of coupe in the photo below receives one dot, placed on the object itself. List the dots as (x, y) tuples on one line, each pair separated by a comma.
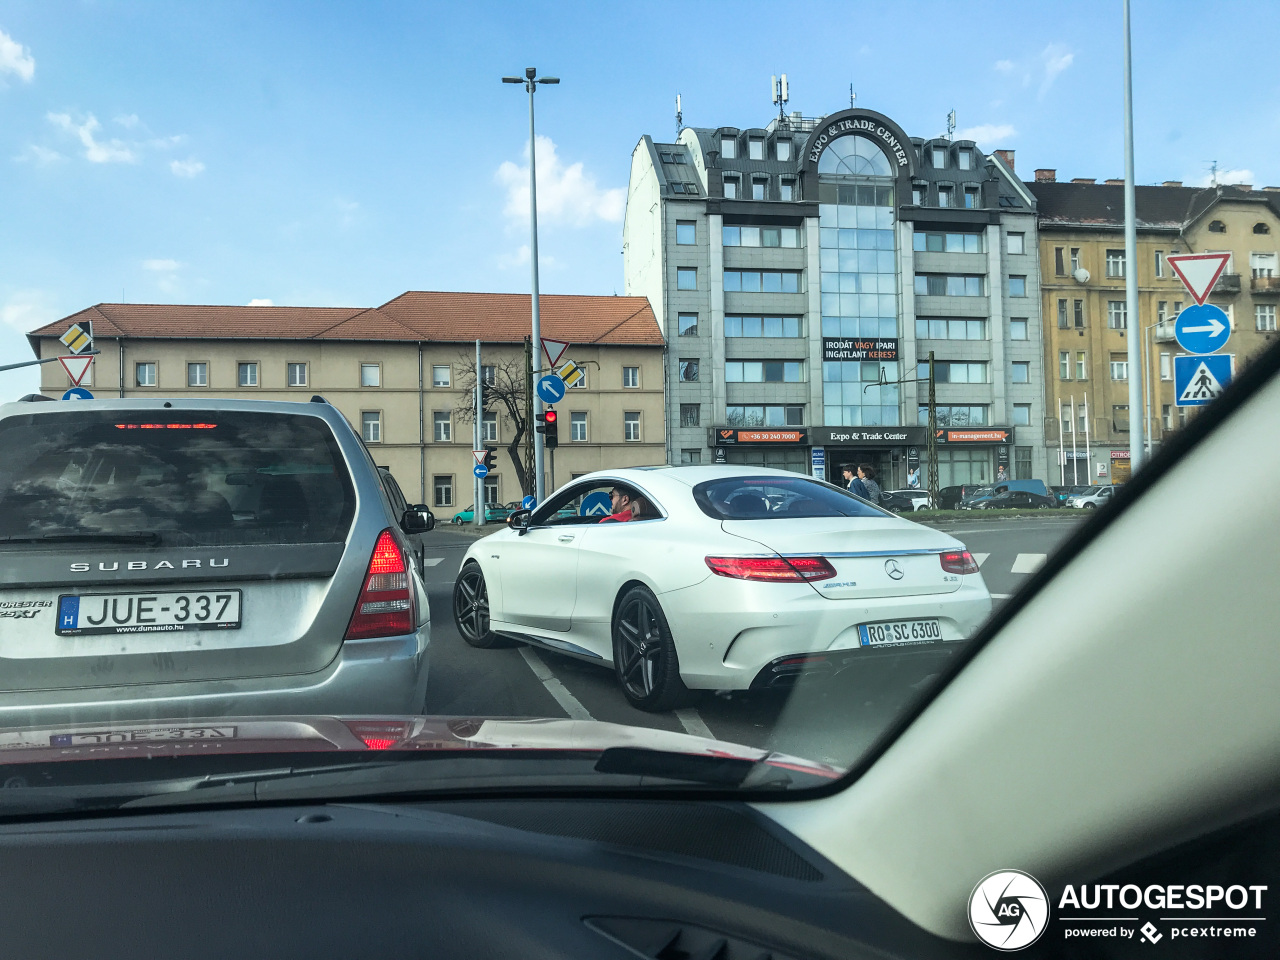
[(777, 498), (187, 478)]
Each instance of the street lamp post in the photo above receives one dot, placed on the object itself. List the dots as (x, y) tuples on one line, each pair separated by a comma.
[(531, 80)]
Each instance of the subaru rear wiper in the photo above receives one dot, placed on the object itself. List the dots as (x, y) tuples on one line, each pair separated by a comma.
[(143, 539)]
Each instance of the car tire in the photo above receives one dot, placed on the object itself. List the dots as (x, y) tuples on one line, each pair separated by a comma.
[(471, 609), (644, 654), (1089, 506), (1042, 506)]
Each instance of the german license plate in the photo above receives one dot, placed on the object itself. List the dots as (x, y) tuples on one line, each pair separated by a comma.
[(100, 613), (899, 631)]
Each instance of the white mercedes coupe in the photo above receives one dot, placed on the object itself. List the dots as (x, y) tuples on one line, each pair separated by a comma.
[(728, 578)]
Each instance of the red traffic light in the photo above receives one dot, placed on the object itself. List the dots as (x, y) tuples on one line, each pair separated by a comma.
[(549, 416)]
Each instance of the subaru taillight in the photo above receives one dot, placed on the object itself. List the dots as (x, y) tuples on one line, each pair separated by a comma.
[(385, 607), (958, 561), (772, 569)]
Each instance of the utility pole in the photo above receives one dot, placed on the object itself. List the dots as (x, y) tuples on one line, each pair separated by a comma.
[(477, 513), (1134, 322)]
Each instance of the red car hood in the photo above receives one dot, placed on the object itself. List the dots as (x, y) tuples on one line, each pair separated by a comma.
[(305, 734)]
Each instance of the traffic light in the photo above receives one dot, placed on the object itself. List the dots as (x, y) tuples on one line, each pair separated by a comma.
[(489, 454), (485, 396), (549, 427)]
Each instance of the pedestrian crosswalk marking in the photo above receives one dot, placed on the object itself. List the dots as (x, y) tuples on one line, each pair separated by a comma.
[(1027, 563), (980, 558)]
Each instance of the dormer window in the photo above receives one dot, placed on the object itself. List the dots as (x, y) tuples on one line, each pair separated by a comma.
[(755, 149), (1217, 226), (728, 148), (783, 149), (939, 158), (964, 159)]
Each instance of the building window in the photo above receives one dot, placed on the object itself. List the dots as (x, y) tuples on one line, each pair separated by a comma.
[(1262, 264), (1117, 314), (442, 427), (1177, 308), (1159, 263), (1115, 263), (1119, 367), (1162, 311), (787, 190), (688, 324), (631, 377), (1166, 366), (1062, 315), (758, 189), (1064, 364), (1120, 417), (919, 194), (964, 159), (1017, 243), (765, 415), (953, 371), (943, 285), (948, 328), (1021, 371), (1017, 286), (686, 278), (443, 487), (760, 236), (783, 149), (631, 426), (945, 195), (1261, 228), (1217, 226), (739, 326), (248, 374), (491, 489), (758, 281), (1068, 425), (440, 375), (1017, 329), (581, 383), (297, 374), (755, 149), (760, 371), (971, 198), (931, 242), (728, 148), (731, 188), (1059, 266), (1079, 314), (144, 374), (690, 458), (1264, 317), (1022, 462), (197, 374), (1082, 365), (939, 158), (690, 415), (686, 232), (489, 427), (1166, 415), (370, 375), (1075, 259), (578, 427), (371, 426), (688, 370), (955, 416), (1022, 414)]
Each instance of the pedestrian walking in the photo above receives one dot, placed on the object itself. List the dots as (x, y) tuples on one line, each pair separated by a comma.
[(852, 483), (867, 474)]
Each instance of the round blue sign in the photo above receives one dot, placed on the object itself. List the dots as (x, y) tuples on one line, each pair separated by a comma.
[(1202, 328), (528, 503), (77, 393), (596, 504), (481, 471), (551, 389)]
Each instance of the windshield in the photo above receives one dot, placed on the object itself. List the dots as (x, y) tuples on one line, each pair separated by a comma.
[(568, 413)]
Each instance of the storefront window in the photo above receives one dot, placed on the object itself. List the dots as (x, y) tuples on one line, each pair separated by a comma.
[(957, 466)]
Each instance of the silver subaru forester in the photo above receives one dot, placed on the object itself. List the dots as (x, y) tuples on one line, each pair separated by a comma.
[(182, 558)]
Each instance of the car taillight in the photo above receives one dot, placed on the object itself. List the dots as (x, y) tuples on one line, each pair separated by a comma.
[(958, 561), (385, 607), (776, 569), (380, 734)]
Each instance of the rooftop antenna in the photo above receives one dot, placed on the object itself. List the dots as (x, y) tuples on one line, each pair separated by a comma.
[(679, 117), (852, 96), (780, 94), (951, 125), (1213, 172)]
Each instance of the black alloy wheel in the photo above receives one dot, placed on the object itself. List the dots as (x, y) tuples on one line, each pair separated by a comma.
[(471, 608), (644, 654)]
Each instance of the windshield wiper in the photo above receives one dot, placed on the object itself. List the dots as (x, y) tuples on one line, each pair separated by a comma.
[(144, 539)]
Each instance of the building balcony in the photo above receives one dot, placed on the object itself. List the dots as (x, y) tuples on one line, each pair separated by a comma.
[(1265, 285), (1228, 285), (1164, 331)]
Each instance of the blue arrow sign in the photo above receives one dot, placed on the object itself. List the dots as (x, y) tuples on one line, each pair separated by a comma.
[(77, 393), (1198, 380), (528, 503), (481, 471), (551, 389), (596, 505), (1202, 328)]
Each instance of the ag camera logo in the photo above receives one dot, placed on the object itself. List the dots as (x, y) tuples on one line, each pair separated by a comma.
[(1008, 910)]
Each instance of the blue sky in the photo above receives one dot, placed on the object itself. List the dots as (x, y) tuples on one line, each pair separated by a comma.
[(340, 153)]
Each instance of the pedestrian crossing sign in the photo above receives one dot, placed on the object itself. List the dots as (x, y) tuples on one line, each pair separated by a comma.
[(77, 339), (1198, 379)]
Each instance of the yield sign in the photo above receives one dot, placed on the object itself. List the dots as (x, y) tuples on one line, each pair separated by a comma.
[(479, 455), (76, 368), (554, 349), (1199, 271)]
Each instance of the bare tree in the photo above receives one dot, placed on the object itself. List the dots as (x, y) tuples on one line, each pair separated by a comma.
[(507, 396)]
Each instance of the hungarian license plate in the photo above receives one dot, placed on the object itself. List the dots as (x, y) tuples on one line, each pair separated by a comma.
[(148, 612), (93, 738), (899, 631)]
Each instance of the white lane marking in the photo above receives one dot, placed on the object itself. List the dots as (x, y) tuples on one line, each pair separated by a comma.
[(1027, 563), (693, 723), (431, 561), (1001, 596), (980, 558), (568, 702)]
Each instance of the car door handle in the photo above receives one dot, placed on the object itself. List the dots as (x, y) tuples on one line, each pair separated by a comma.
[(565, 538)]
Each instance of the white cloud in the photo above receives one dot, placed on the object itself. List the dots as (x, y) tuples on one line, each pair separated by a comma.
[(161, 266), (16, 59), (34, 153), (128, 120), (25, 310), (95, 151), (188, 168), (520, 258), (1005, 66), (566, 194), (260, 302), (988, 134), (1056, 57), (1225, 176)]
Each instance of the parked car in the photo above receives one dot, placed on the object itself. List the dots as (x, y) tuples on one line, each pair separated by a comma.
[(1093, 499), (202, 557), (978, 494), (1016, 500), (1066, 493), (919, 498), (401, 508), (856, 582), (493, 513), (949, 497)]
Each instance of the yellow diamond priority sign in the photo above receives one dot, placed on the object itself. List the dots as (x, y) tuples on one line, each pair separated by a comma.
[(570, 373), (77, 339)]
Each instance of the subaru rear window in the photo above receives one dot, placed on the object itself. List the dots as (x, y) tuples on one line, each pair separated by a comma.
[(173, 478), (778, 498)]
